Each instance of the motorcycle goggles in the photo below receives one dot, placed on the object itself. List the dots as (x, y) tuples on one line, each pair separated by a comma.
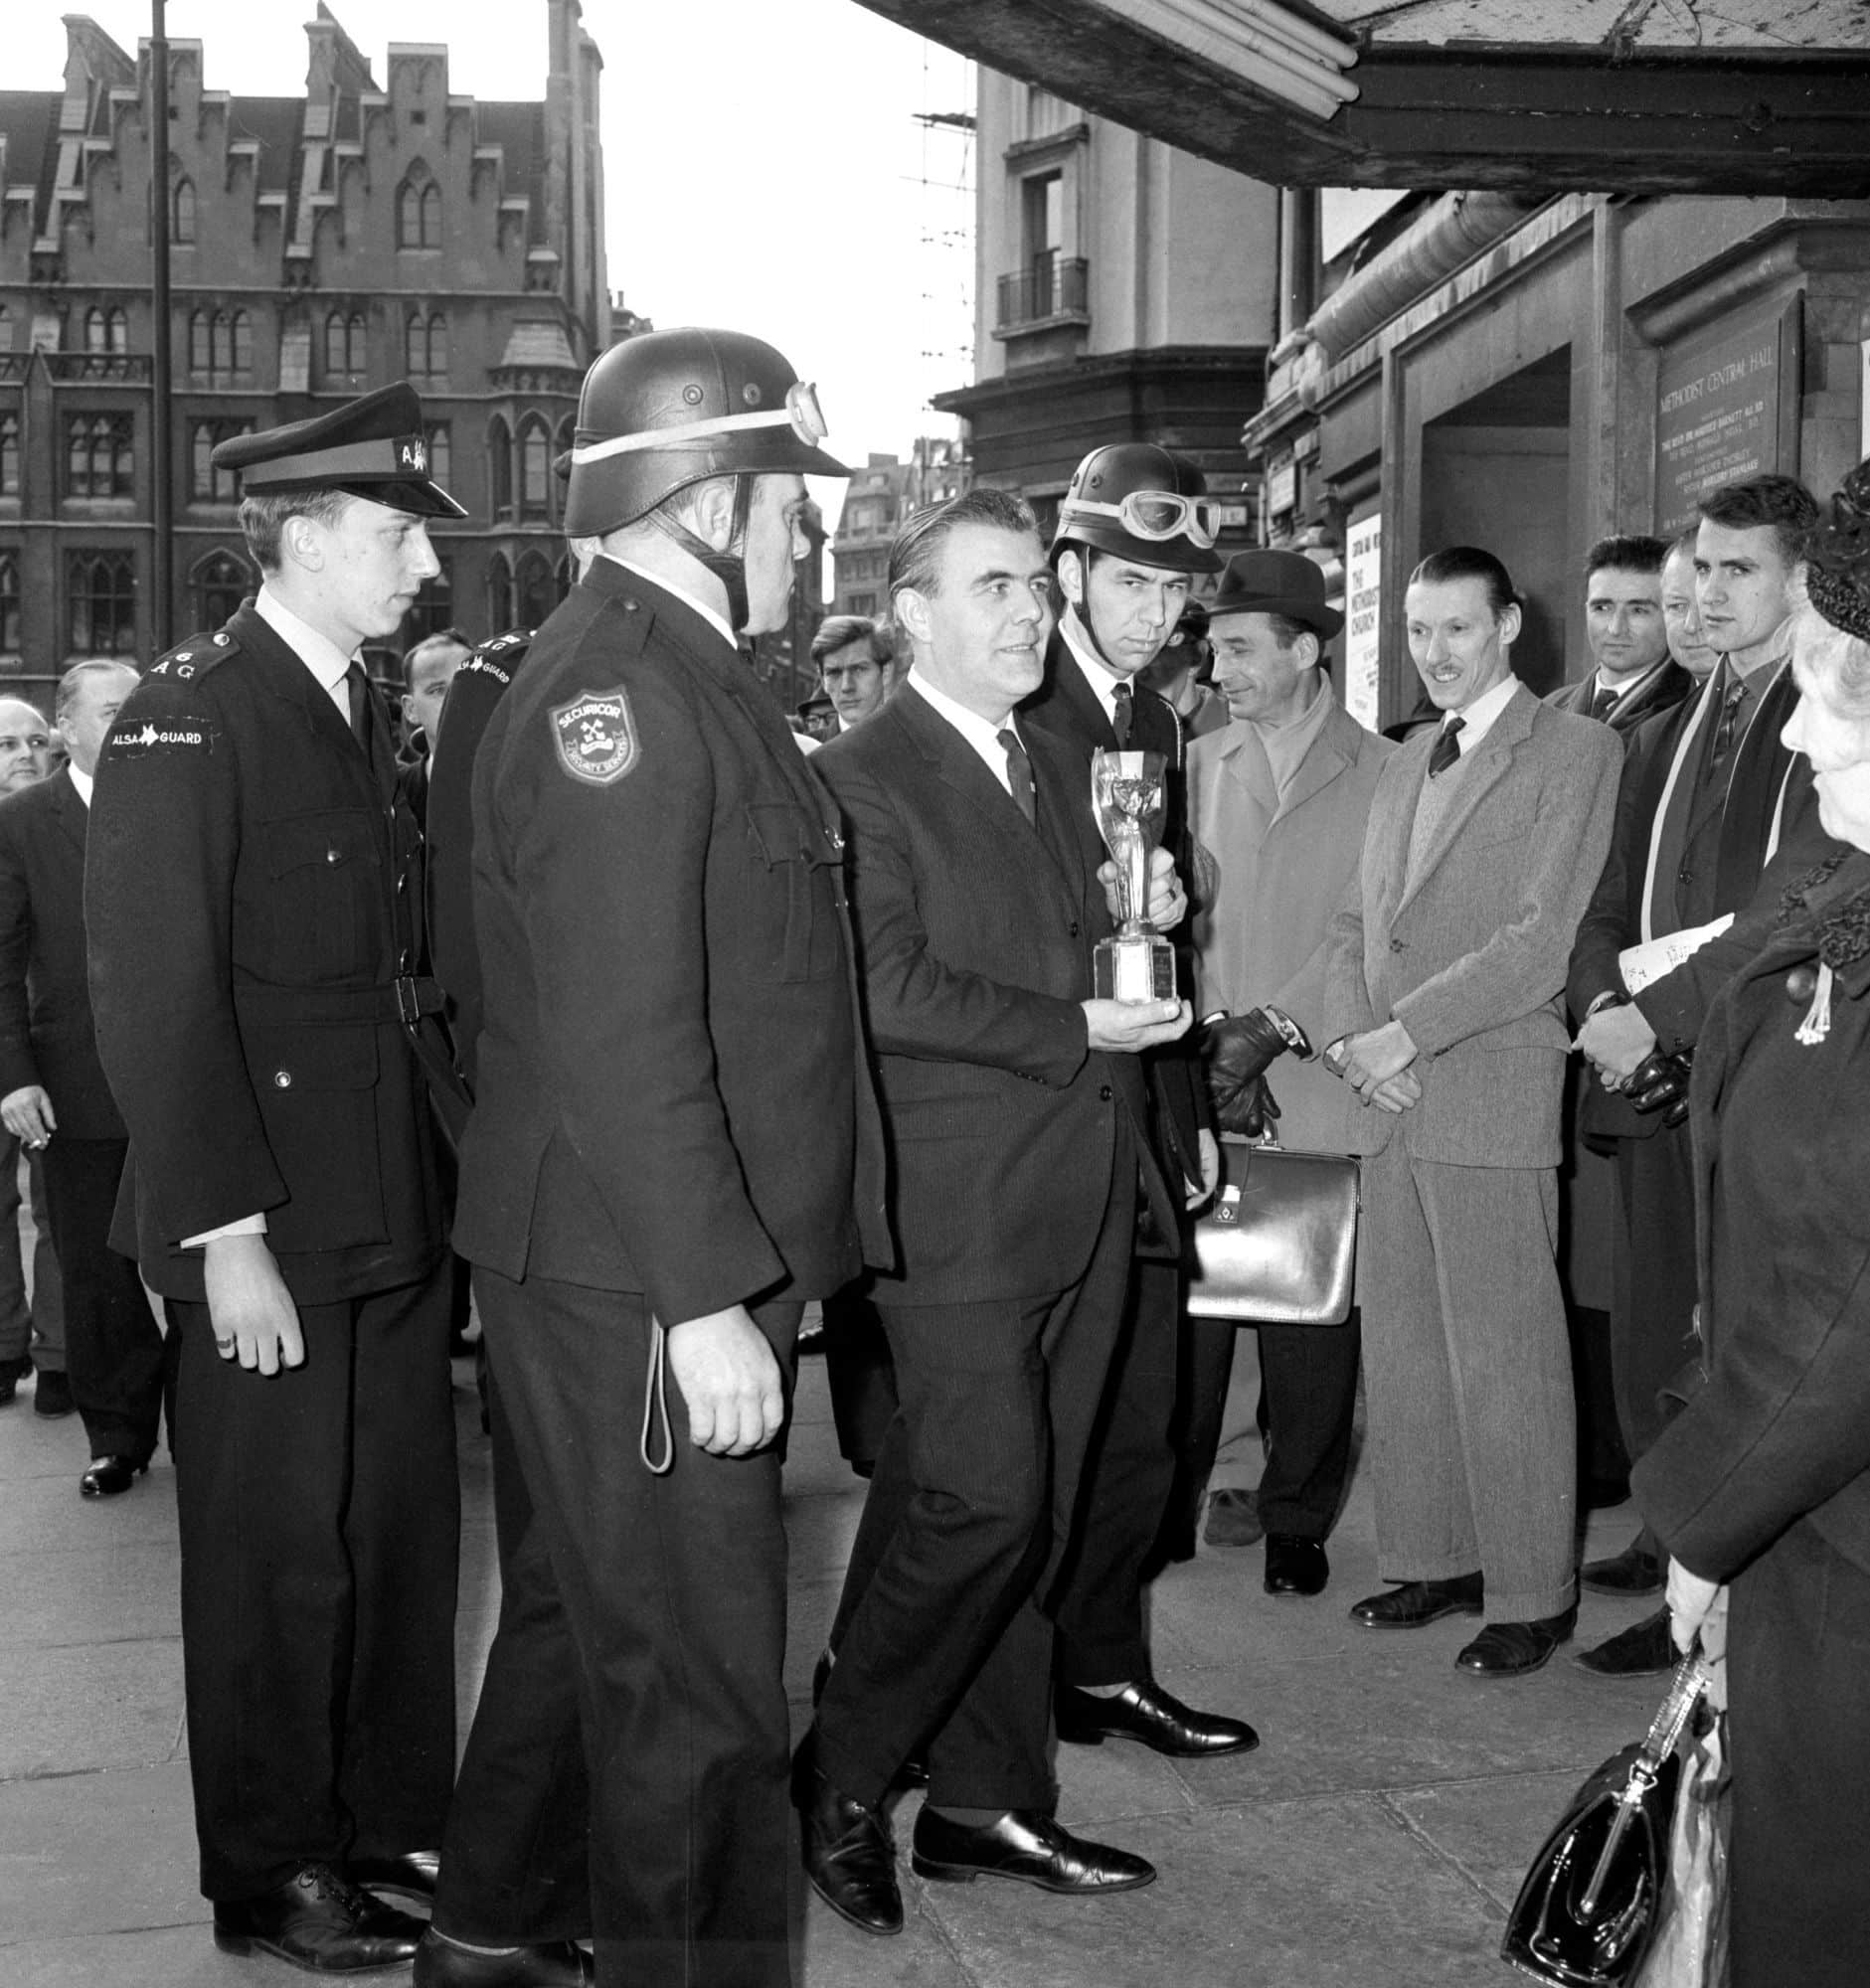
[(1156, 515)]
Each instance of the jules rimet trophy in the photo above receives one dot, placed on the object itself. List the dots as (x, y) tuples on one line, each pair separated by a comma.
[(1128, 798)]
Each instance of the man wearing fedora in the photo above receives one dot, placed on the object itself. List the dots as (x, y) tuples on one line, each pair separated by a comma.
[(1278, 803)]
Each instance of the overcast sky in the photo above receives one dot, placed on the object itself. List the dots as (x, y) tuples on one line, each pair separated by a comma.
[(764, 165)]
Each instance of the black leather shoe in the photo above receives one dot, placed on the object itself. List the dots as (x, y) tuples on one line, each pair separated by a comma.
[(1233, 1518), (12, 1373), (1144, 1711), (1516, 1649), (1296, 1565), (1645, 1650), (1633, 1571), (1023, 1845), (914, 1772), (320, 1922), (411, 1875), (850, 1857), (107, 1476), (1419, 1601), (53, 1395), (439, 1963)]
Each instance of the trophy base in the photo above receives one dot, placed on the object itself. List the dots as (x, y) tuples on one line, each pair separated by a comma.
[(1137, 970)]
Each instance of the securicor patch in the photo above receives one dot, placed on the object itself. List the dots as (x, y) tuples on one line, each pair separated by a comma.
[(171, 734), (596, 737)]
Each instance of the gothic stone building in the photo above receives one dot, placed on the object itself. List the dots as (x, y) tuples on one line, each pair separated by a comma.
[(323, 246)]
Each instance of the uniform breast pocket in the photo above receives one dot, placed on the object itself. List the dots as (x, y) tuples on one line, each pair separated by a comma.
[(316, 1087), (324, 886), (795, 879)]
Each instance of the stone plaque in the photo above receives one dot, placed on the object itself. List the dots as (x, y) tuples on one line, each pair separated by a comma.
[(1726, 407)]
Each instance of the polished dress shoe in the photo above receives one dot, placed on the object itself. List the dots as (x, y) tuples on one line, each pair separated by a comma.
[(107, 1476), (850, 1856), (53, 1395), (320, 1922), (439, 1963), (1144, 1711), (1633, 1571), (914, 1772), (413, 1874), (1024, 1845), (1516, 1649), (1418, 1603), (1644, 1650), (12, 1373), (1233, 1518), (1296, 1565)]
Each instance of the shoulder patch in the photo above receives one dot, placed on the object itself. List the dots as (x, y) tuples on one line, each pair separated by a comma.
[(132, 741), (195, 657), (595, 735)]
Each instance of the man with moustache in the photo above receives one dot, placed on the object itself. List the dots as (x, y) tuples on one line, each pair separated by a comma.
[(1135, 529), (1444, 977), (1710, 793), (253, 948), (1015, 1107)]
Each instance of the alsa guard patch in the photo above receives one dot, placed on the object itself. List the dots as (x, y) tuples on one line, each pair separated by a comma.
[(169, 734), (595, 735)]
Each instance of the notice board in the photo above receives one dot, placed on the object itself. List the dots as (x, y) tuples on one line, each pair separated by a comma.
[(1727, 406)]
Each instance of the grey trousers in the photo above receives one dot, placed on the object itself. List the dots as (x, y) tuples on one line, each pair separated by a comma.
[(38, 1329), (1468, 1372)]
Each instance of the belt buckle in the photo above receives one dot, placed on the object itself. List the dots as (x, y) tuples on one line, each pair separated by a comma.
[(409, 1005)]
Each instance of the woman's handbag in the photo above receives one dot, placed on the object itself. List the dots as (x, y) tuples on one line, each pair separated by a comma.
[(1278, 1243), (1591, 1904)]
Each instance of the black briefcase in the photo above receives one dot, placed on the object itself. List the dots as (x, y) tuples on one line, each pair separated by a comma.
[(1278, 1245)]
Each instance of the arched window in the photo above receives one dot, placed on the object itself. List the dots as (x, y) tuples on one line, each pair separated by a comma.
[(537, 594), (499, 594), (344, 346), (9, 455), (418, 210), (534, 470), (243, 340), (207, 484), (100, 596), (119, 336), (97, 330), (97, 456), (440, 454), (6, 329), (426, 347), (220, 581), (200, 343), (501, 471), (9, 605), (182, 225), (233, 344)]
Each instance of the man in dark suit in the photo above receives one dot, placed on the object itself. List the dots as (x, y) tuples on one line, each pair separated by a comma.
[(674, 1145), (1709, 794), (427, 671), (1134, 531), (1016, 1112), (53, 1093), (254, 941), (1633, 675)]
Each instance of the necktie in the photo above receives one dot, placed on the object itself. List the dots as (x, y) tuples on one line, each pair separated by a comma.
[(1019, 774), (358, 688), (1121, 716), (1447, 747), (1602, 705), (1723, 731)]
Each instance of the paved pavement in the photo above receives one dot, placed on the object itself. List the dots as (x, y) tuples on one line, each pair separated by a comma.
[(1376, 1837)]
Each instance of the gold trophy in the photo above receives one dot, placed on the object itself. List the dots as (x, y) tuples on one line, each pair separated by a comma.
[(1136, 964)]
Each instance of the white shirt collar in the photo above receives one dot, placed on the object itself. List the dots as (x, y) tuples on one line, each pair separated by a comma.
[(1477, 719), (982, 737), (318, 652), (1103, 683), (82, 781), (713, 616), (1620, 691)]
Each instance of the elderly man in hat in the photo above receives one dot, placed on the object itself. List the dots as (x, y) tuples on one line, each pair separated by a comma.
[(252, 975), (1278, 802)]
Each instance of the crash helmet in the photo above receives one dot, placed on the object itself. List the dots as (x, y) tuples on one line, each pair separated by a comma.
[(1136, 501)]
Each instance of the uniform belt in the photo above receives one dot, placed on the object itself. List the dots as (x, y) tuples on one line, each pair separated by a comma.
[(405, 999)]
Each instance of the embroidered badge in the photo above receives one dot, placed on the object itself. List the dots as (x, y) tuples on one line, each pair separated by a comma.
[(174, 734), (596, 737)]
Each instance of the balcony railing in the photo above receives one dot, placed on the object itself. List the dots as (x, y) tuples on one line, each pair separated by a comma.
[(1048, 287)]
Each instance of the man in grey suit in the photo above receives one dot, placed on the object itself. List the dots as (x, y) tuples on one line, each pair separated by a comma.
[(1444, 981)]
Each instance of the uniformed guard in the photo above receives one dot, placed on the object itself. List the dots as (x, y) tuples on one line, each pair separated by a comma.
[(253, 965), (674, 1145)]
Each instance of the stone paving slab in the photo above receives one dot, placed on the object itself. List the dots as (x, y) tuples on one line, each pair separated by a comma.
[(1492, 1829), (76, 1709), (116, 1592)]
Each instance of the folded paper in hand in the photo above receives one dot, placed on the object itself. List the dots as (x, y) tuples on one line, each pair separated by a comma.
[(1641, 964)]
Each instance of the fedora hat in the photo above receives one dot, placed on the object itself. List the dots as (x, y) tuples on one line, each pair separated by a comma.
[(1287, 584)]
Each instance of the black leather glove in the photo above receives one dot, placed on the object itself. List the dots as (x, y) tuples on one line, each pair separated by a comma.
[(1237, 1050), (1660, 1083), (1254, 1111)]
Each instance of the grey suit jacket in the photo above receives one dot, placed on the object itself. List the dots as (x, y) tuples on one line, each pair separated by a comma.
[(1468, 950)]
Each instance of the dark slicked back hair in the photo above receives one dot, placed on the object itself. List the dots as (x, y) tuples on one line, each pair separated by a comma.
[(1626, 552), (916, 552), (1779, 501), (1469, 563), (839, 631)]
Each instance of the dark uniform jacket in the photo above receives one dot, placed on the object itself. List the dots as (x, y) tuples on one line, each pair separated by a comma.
[(46, 1035), (672, 1096), (975, 931), (1065, 705), (248, 894), (1662, 690), (1781, 1434)]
